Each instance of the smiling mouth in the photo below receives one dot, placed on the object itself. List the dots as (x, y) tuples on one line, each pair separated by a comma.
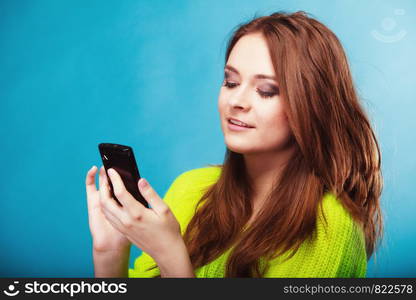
[(238, 123), (237, 128)]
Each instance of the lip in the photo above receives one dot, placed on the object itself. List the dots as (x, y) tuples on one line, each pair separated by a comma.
[(228, 120), (234, 127)]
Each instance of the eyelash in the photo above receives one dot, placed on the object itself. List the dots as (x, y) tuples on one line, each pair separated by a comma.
[(231, 85)]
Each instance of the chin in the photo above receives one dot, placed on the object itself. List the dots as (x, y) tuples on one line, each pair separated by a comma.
[(239, 149)]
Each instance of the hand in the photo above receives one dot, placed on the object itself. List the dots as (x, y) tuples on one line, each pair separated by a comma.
[(106, 238), (155, 230)]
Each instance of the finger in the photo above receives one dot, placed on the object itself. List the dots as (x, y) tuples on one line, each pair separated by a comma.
[(92, 201), (103, 184), (132, 206), (105, 197), (90, 180), (116, 223), (118, 216), (157, 204)]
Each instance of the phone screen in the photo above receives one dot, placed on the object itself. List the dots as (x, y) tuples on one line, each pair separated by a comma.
[(121, 158)]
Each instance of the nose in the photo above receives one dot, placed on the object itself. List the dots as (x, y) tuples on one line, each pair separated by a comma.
[(240, 99)]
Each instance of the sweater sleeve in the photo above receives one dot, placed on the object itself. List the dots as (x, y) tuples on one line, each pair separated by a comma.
[(337, 248)]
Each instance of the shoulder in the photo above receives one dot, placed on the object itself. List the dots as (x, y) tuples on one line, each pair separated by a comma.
[(187, 189), (338, 232), (195, 180), (200, 175), (336, 247), (333, 215)]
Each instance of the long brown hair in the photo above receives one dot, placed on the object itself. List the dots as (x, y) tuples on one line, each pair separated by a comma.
[(336, 150)]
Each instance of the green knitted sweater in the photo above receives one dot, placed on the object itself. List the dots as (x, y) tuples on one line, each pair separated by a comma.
[(337, 251)]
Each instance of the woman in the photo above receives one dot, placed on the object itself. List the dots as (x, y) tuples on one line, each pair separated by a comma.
[(298, 194)]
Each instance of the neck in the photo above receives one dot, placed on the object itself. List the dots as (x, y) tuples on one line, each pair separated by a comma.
[(264, 169)]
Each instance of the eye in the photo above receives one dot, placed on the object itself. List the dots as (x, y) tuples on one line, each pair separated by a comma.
[(264, 94), (229, 84)]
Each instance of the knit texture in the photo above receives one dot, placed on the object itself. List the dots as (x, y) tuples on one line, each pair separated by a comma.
[(338, 249)]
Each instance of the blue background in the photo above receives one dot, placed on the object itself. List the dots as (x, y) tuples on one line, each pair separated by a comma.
[(147, 74)]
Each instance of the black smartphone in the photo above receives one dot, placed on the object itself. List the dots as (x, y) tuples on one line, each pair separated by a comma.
[(121, 158)]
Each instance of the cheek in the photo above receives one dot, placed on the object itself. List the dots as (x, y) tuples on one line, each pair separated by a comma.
[(221, 105), (273, 116), (276, 128)]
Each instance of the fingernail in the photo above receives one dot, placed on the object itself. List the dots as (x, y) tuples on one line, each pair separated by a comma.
[(92, 168), (111, 172), (143, 183)]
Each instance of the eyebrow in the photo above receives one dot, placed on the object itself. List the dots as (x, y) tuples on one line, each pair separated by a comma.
[(259, 76)]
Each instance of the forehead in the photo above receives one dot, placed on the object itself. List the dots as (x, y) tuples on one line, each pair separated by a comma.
[(250, 55)]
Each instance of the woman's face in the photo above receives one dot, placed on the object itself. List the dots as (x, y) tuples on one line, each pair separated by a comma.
[(250, 94)]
